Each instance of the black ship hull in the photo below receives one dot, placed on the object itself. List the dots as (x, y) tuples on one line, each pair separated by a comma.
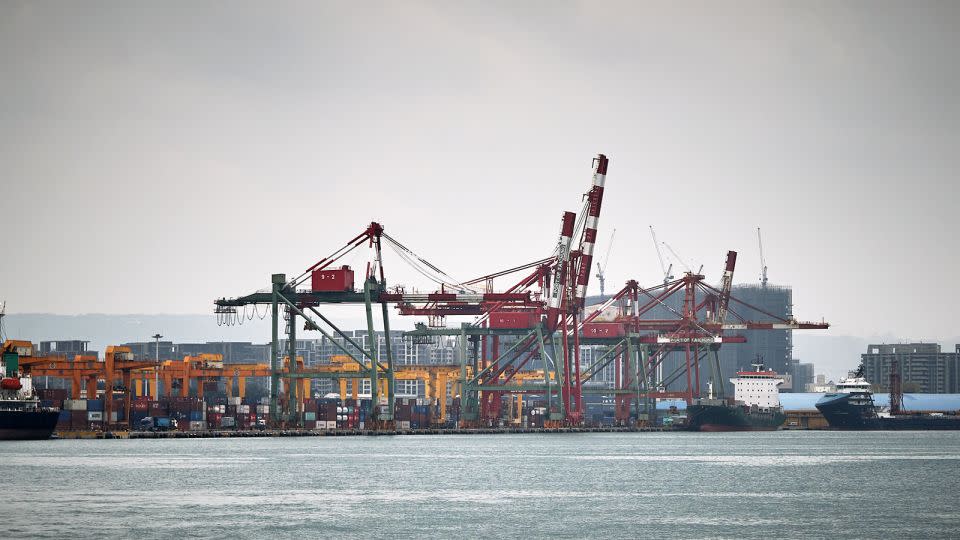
[(732, 418), (853, 410), (924, 422), (27, 425), (856, 411)]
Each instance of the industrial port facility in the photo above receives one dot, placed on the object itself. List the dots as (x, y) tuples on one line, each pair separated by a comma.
[(519, 365)]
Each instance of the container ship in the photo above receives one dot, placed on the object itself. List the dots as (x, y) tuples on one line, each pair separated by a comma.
[(755, 405), (851, 407), (21, 414)]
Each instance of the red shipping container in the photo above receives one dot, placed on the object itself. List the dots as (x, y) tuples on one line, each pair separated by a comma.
[(340, 279), (601, 330), (513, 319)]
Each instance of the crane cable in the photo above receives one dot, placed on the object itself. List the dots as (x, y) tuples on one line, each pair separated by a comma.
[(439, 276)]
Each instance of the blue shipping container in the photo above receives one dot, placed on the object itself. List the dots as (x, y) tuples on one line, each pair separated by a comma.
[(94, 404), (196, 416)]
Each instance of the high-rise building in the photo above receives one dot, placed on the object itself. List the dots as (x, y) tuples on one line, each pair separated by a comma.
[(773, 347), (924, 367), (802, 377)]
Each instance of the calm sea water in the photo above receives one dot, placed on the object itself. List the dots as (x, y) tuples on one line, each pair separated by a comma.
[(670, 485)]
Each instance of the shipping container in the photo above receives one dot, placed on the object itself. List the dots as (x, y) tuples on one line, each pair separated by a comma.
[(94, 404), (75, 404), (198, 426), (603, 329), (95, 416), (55, 394), (339, 279), (513, 319)]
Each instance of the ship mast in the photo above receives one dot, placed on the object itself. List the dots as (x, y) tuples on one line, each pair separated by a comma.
[(896, 389)]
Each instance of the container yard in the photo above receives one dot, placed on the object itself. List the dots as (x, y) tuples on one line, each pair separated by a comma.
[(520, 334)]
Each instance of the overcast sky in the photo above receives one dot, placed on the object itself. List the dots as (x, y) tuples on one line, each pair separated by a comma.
[(155, 156)]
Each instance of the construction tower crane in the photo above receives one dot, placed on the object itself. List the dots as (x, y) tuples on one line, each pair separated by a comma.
[(601, 268), (667, 276), (677, 257), (763, 261)]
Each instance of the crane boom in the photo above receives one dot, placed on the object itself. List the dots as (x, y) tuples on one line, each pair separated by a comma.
[(601, 268), (670, 249), (726, 287), (656, 245), (663, 268)]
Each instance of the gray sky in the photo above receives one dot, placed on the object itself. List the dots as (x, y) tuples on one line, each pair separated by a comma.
[(155, 156)]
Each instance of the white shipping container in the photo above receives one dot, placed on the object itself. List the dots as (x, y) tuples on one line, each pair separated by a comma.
[(75, 404), (331, 424), (198, 426), (95, 416), (113, 416), (404, 424), (244, 409), (235, 401), (263, 409)]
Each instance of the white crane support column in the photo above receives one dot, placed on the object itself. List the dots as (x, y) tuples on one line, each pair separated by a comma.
[(563, 252), (589, 238)]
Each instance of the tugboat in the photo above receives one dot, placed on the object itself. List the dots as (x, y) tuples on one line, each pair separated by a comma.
[(21, 416), (755, 407)]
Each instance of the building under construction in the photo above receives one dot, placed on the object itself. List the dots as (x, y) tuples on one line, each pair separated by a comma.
[(774, 347)]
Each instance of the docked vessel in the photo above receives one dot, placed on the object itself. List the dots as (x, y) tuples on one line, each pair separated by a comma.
[(21, 414), (852, 407), (755, 405)]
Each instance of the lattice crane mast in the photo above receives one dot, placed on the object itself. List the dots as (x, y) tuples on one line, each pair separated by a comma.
[(667, 271), (601, 268)]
